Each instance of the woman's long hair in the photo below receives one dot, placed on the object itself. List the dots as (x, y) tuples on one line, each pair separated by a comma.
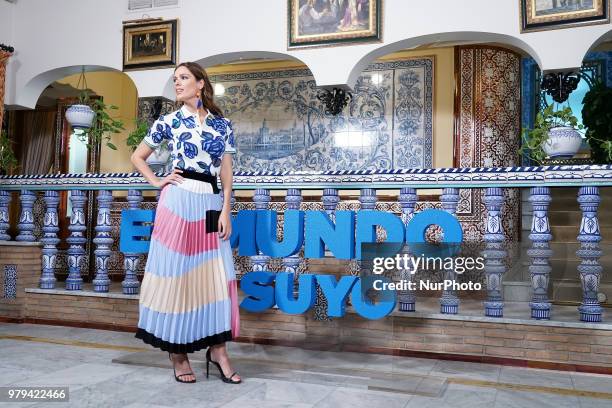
[(207, 92)]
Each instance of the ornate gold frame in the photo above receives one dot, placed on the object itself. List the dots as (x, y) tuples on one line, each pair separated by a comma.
[(168, 59)]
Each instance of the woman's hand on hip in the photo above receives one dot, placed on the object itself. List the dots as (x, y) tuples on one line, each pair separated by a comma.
[(225, 225), (172, 178)]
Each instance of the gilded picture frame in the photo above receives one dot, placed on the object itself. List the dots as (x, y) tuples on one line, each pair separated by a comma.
[(319, 23), (539, 15), (150, 45)]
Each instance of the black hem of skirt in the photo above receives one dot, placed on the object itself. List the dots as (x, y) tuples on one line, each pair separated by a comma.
[(183, 348)]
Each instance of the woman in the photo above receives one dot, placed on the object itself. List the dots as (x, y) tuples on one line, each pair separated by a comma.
[(188, 297)]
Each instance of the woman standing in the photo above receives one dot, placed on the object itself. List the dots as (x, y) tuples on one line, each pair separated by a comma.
[(188, 297)]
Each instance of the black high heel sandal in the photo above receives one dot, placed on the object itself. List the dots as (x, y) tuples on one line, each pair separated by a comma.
[(178, 377), (223, 377)]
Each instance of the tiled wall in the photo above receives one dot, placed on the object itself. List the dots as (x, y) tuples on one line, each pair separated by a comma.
[(281, 125)]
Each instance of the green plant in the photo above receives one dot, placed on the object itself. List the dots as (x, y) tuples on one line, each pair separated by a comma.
[(597, 118), (139, 133), (546, 119), (8, 161), (104, 125)]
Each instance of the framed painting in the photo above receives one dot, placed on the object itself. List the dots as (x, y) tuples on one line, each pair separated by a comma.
[(312, 23), (151, 44), (538, 15)]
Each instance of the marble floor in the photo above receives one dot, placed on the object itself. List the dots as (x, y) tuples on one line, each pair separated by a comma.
[(113, 369)]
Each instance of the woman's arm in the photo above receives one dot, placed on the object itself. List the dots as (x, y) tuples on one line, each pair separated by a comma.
[(138, 159), (226, 175)]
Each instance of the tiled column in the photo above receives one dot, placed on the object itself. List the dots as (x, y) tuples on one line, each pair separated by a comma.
[(449, 302), (103, 241), (540, 252), (130, 283), (494, 252), (589, 253), (5, 199), (50, 240), (407, 199), (26, 217), (76, 251)]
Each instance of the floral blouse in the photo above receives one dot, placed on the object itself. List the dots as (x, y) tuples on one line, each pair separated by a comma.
[(193, 146)]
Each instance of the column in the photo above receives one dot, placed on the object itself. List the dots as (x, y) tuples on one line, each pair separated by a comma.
[(540, 252), (495, 252), (449, 302), (26, 217), (50, 240), (130, 283), (5, 199), (406, 298), (103, 241), (76, 240), (589, 253)]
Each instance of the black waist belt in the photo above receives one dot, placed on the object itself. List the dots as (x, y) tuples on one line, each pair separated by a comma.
[(207, 178)]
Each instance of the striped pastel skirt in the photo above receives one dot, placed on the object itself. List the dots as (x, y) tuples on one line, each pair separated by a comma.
[(188, 297)]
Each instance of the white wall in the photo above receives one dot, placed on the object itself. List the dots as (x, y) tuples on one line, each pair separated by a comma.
[(54, 38), (6, 22)]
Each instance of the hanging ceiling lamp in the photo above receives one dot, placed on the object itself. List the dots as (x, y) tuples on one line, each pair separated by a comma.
[(81, 116)]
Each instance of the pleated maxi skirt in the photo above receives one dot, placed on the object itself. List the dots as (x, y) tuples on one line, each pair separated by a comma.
[(188, 297)]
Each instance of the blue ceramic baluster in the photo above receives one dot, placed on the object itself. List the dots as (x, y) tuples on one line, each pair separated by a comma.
[(494, 252), (367, 200), (103, 241), (407, 299), (5, 199), (261, 198), (130, 283), (540, 252), (293, 200), (590, 270), (26, 218), (449, 302), (76, 240), (50, 240), (330, 201)]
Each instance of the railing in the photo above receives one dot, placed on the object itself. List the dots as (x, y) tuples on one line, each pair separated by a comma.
[(494, 180)]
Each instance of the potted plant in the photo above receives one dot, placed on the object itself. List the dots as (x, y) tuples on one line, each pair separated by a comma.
[(160, 156), (103, 126), (555, 134), (80, 115), (597, 118), (8, 161)]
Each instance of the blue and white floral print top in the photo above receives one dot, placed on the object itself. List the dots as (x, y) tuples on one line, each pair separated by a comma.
[(193, 146)]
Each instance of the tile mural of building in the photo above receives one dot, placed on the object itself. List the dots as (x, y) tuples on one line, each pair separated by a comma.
[(281, 125)]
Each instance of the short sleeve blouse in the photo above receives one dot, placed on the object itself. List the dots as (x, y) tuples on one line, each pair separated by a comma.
[(193, 146)]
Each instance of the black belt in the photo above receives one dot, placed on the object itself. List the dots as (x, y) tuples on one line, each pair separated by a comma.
[(207, 178)]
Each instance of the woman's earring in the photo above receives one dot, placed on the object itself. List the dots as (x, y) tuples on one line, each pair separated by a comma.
[(199, 103)]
